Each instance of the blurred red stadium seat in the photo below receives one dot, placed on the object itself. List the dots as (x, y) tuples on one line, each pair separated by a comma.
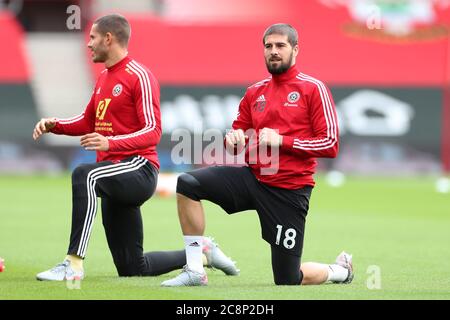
[(13, 63), (190, 49)]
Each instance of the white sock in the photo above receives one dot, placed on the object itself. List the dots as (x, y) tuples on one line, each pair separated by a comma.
[(337, 273), (194, 253)]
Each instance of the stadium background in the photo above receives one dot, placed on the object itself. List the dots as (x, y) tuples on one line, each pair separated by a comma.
[(387, 64)]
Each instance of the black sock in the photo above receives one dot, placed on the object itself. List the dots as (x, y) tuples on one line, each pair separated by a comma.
[(160, 262)]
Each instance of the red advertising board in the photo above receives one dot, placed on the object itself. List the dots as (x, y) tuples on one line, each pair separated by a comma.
[(341, 42)]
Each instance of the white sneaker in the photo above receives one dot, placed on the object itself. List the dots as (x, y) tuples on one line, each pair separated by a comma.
[(217, 259), (187, 278), (345, 260), (60, 272)]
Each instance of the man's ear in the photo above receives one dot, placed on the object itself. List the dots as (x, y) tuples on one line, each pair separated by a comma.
[(296, 49), (108, 37)]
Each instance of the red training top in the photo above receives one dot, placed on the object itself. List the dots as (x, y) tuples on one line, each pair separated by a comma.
[(124, 107), (301, 108)]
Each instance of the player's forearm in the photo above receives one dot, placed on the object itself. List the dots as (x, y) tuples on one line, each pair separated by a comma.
[(137, 142), (72, 129)]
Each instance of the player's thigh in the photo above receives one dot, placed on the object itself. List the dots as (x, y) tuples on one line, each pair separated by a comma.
[(282, 215), (228, 187), (82, 174), (130, 182)]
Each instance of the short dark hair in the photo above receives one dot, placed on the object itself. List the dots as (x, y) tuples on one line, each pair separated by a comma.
[(283, 29), (117, 25)]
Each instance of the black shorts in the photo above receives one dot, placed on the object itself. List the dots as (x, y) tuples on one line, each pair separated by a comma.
[(281, 212)]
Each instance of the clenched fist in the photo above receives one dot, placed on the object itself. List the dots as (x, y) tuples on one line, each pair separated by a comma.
[(270, 137), (235, 140)]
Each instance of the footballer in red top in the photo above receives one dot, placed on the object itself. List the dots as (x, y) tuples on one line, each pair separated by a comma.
[(122, 123), (284, 123)]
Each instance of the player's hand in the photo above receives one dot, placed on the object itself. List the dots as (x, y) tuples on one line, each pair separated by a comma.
[(43, 126), (270, 137), (94, 142), (235, 140)]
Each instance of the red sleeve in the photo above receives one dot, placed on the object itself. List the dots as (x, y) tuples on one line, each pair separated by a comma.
[(244, 118), (78, 125), (146, 97), (324, 142)]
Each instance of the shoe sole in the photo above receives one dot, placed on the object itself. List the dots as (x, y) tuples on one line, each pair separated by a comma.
[(41, 279)]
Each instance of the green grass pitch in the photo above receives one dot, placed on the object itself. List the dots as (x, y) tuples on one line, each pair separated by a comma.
[(400, 227)]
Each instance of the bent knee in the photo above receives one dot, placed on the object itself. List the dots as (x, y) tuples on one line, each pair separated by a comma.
[(287, 282), (128, 272), (288, 279), (127, 267), (81, 172), (189, 186)]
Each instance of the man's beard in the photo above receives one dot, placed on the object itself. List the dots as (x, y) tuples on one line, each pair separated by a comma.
[(100, 56), (282, 68)]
